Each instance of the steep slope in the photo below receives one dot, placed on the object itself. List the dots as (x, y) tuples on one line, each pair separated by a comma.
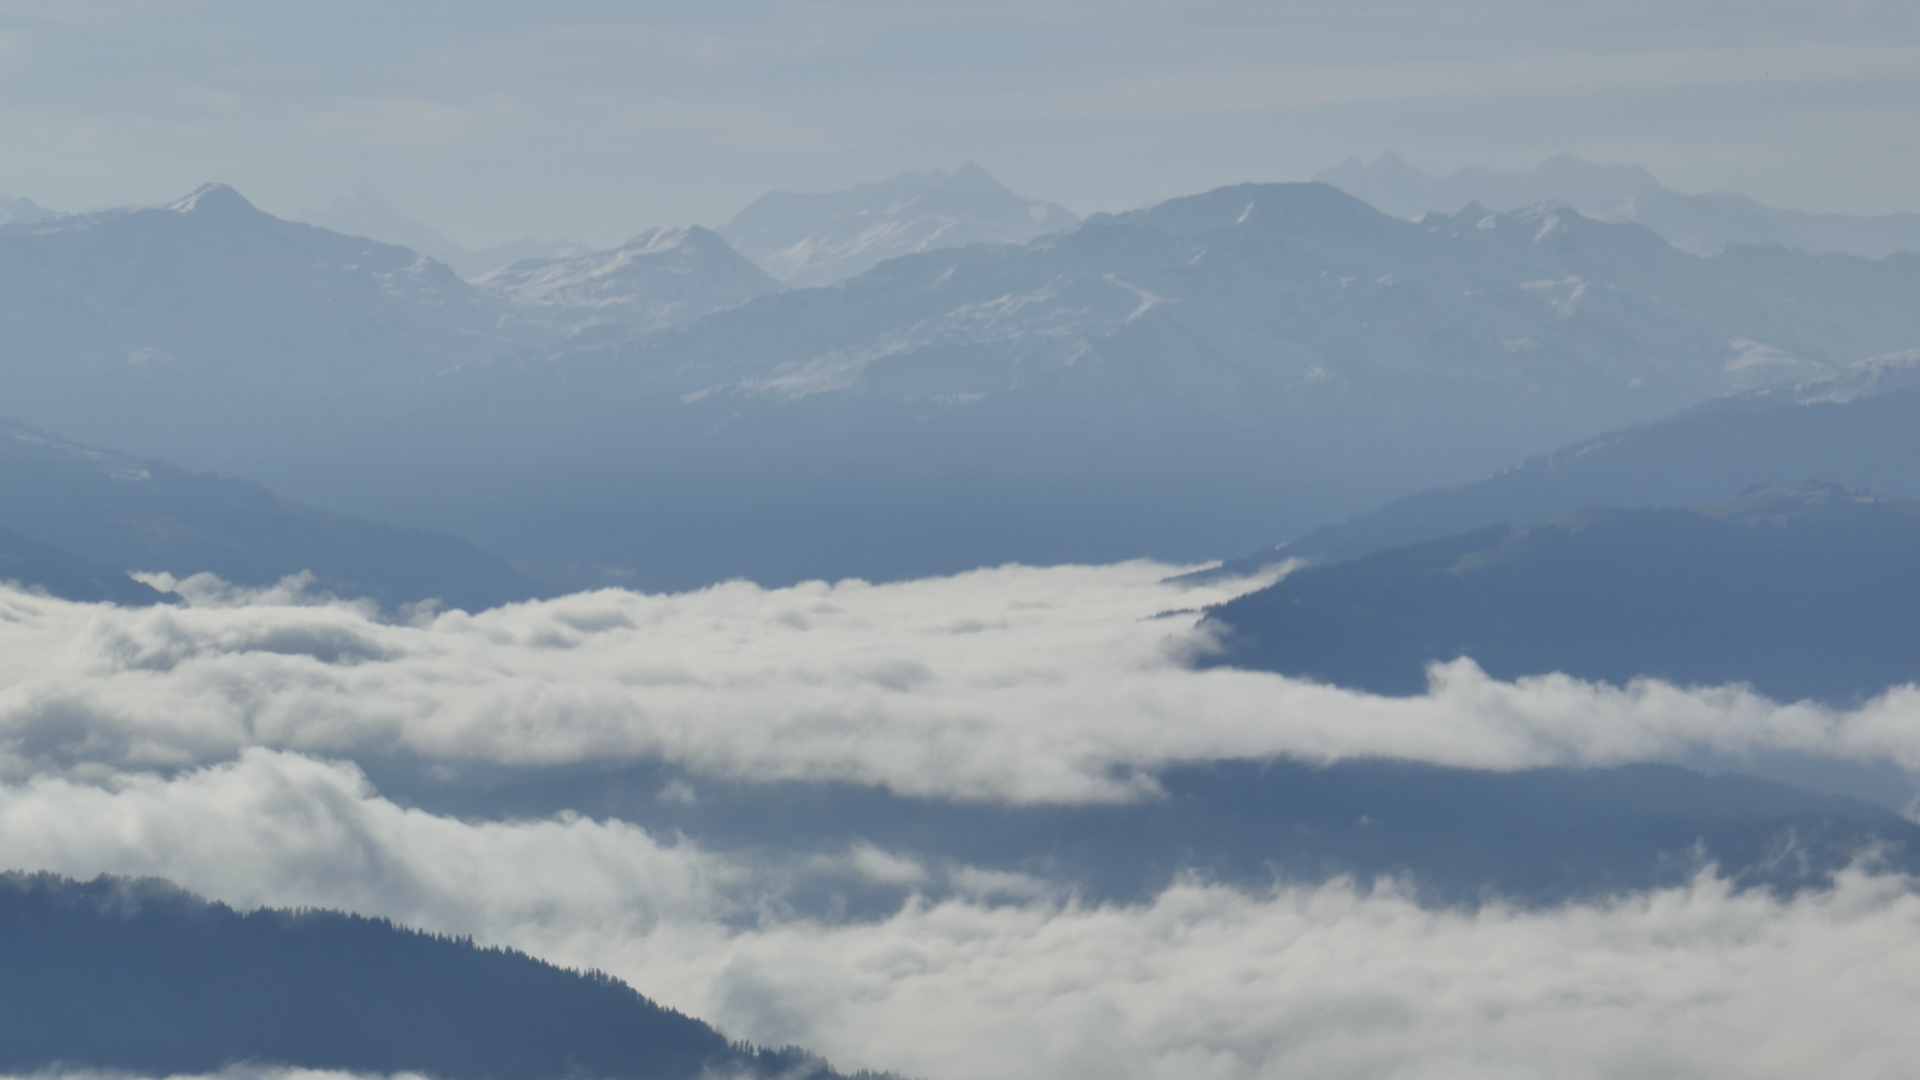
[(1702, 224), (134, 515), (663, 277), (818, 239), (138, 976), (1804, 591), (1860, 427)]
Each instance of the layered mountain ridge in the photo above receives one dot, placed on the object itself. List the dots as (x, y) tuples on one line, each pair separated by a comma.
[(1194, 377)]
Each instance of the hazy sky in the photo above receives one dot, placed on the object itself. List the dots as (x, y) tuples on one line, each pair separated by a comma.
[(592, 119)]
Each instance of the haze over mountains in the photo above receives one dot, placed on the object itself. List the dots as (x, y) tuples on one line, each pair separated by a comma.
[(996, 798), (818, 239), (1860, 428), (661, 278), (21, 211), (1702, 224), (369, 214), (1198, 376), (93, 516), (1231, 365)]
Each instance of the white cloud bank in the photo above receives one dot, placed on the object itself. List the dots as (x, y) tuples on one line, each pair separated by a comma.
[(1015, 683), (204, 745), (1203, 982)]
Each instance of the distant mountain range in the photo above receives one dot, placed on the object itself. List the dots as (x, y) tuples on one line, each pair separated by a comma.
[(1802, 591), (1167, 381), (818, 239), (139, 977), (1199, 376), (1701, 224), (74, 520), (369, 214)]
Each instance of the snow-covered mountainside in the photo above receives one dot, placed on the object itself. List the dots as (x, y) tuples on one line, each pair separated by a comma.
[(817, 239), (1702, 224), (368, 213), (663, 277)]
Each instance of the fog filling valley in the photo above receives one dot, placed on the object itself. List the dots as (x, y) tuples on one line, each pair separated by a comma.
[(226, 744)]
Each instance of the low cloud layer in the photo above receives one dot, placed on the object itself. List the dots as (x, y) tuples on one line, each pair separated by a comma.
[(215, 745), (1017, 684), (1201, 982)]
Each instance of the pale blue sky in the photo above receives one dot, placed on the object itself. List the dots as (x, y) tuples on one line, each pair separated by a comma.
[(593, 120)]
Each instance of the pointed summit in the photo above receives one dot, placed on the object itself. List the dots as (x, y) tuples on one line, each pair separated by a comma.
[(212, 199)]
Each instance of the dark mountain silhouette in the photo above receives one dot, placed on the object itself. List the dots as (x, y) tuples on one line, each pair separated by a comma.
[(142, 977), (87, 516), (1802, 591), (1459, 835)]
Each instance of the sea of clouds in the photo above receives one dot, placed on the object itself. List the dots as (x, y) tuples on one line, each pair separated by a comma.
[(220, 744)]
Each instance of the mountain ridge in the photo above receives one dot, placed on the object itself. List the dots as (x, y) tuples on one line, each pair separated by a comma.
[(138, 975), (1701, 224), (1745, 591), (135, 515)]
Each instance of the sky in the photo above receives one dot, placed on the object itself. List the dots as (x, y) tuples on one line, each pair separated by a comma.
[(593, 120)]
